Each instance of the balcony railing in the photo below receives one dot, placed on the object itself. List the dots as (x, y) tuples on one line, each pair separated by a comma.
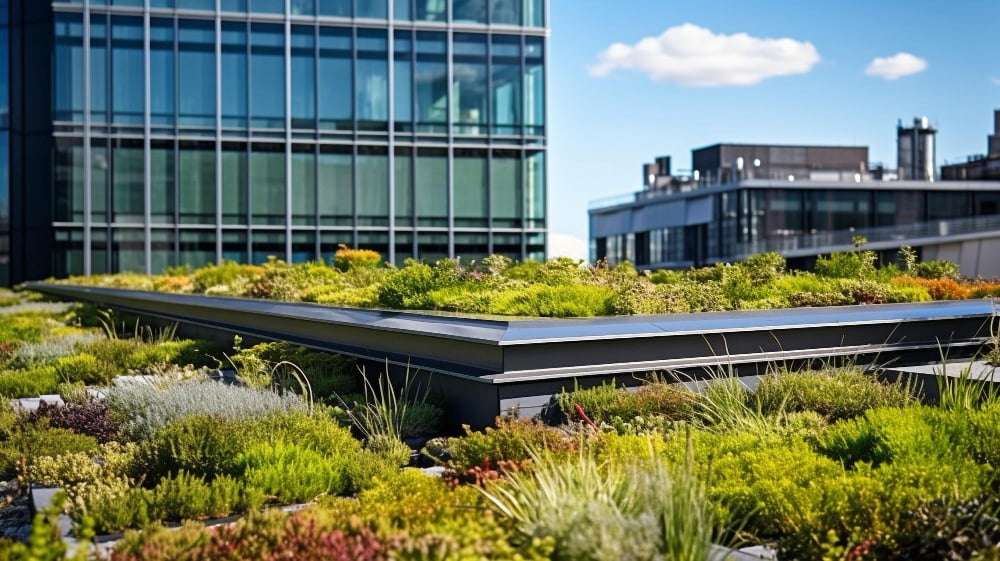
[(825, 242)]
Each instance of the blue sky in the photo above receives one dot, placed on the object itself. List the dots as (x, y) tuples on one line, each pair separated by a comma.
[(602, 128)]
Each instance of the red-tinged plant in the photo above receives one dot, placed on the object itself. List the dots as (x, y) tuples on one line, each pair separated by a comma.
[(91, 419), (479, 475), (939, 289)]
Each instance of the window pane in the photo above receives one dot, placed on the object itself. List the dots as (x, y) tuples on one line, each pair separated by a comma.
[(375, 9), (234, 246), (336, 190), (161, 250), (267, 6), (431, 83), (373, 186), (432, 187), (431, 10), (303, 78), (98, 68), (507, 193), (197, 73), (127, 100), (402, 10), (68, 180), (267, 72), (127, 181), (505, 12), (234, 75), (534, 85), (303, 7), (161, 77), (373, 80), (506, 92), (266, 245), (535, 211), (234, 183), (267, 189), (303, 184), (208, 5), (197, 183), (469, 88), (471, 246), (471, 198), (336, 87), (128, 251), (403, 86), (303, 247), (234, 6), (161, 181), (533, 13), (197, 249), (469, 11), (335, 8), (99, 177), (404, 187), (432, 247), (68, 71)]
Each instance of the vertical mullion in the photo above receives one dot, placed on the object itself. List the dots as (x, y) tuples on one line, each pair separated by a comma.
[(177, 144), (354, 148), (449, 64), (390, 128), (88, 171), (316, 151), (218, 132), (248, 38), (489, 138), (146, 147), (288, 132)]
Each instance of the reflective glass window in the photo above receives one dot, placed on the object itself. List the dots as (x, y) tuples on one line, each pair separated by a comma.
[(127, 181), (234, 6), (267, 183), (68, 71), (303, 247), (303, 184), (942, 205), (471, 188), (375, 241), (404, 186), (100, 168), (506, 85), (336, 8), (197, 248), (68, 174), (431, 82), (505, 12), (431, 10), (507, 193), (161, 249), (402, 9), (235, 85), (373, 9), (99, 255), (432, 186), (534, 15), (336, 186), (303, 78), (403, 81), (128, 251), (534, 87), (161, 75), (234, 183), (468, 11), (469, 90), (336, 86), (535, 245), (303, 7), (373, 186), (98, 68), (404, 247), (534, 210), (267, 76), (197, 72), (161, 181), (127, 99), (839, 210), (208, 5), (267, 245), (372, 80), (471, 246), (196, 173), (432, 246), (267, 6), (507, 244), (234, 246), (67, 257)]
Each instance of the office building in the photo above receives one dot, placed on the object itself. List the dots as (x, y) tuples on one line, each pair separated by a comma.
[(146, 134), (801, 201), (982, 166)]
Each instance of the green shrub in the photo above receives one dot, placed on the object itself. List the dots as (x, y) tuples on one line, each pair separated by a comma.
[(554, 301), (607, 402), (294, 473), (229, 274), (693, 296), (198, 444), (937, 270), (846, 265), (346, 258), (34, 440), (835, 393), (329, 374), (408, 287), (37, 381), (23, 328), (509, 441), (84, 368)]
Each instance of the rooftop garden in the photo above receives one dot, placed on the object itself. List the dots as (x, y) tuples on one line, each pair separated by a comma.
[(148, 436), (563, 287)]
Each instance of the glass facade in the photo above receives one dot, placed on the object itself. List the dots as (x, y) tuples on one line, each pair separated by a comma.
[(751, 215), (243, 132)]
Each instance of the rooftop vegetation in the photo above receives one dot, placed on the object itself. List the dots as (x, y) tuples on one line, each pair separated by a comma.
[(563, 287)]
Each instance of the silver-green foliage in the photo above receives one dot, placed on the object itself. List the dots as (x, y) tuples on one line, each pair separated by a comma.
[(145, 407), (33, 354), (609, 511)]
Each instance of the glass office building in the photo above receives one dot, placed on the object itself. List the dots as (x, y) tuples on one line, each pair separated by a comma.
[(184, 132)]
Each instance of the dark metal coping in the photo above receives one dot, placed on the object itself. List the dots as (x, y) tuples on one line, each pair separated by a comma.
[(523, 350)]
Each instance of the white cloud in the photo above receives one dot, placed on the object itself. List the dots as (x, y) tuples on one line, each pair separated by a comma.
[(565, 245), (896, 66), (690, 55)]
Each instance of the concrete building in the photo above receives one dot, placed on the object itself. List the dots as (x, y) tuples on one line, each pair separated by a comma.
[(979, 167), (144, 134), (800, 201), (916, 150)]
